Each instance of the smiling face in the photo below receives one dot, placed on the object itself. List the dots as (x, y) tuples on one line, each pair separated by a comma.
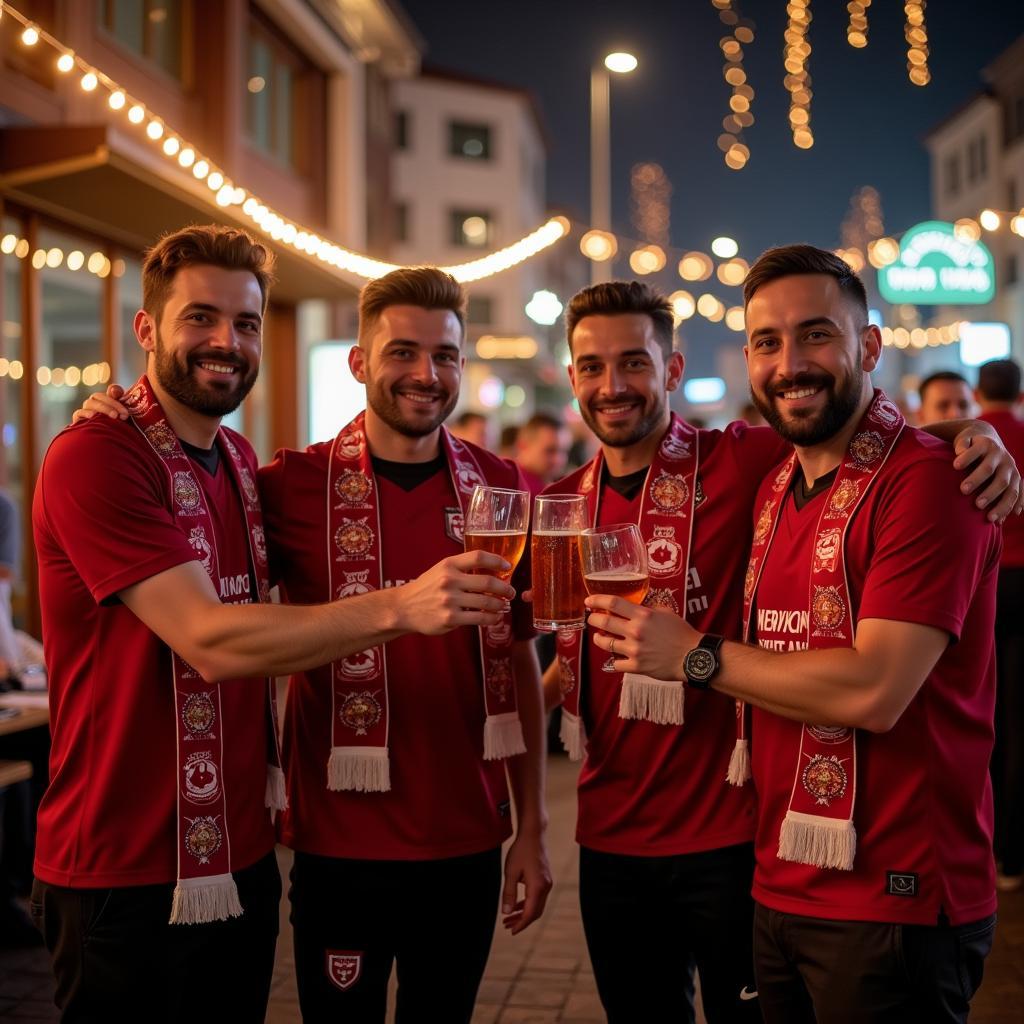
[(204, 351), (809, 352), (411, 363), (621, 378), (945, 400)]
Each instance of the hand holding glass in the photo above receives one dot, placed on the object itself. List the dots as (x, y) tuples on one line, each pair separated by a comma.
[(496, 522), (615, 562)]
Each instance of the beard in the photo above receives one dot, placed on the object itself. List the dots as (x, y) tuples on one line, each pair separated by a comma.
[(651, 419), (383, 401), (175, 375), (806, 428)]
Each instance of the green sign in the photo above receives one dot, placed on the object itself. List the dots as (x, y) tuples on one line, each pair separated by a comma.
[(937, 268)]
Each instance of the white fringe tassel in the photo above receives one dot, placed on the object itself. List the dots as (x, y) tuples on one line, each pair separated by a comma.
[(654, 700), (739, 764), (202, 900), (276, 798), (503, 736), (818, 841), (363, 769), (573, 735)]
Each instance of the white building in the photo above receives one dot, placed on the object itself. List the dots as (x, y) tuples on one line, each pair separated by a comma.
[(467, 178), (977, 163)]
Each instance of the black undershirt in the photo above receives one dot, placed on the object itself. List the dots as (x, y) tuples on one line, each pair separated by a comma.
[(408, 475), (629, 486), (208, 458), (802, 494)]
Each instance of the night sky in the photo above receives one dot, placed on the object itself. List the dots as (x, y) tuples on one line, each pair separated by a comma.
[(869, 122)]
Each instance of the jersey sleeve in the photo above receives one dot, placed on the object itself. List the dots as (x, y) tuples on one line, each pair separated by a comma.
[(102, 498), (930, 548)]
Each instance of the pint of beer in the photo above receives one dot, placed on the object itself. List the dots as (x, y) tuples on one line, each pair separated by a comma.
[(558, 594), (496, 521)]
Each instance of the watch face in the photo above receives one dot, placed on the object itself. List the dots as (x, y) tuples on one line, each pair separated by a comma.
[(700, 664)]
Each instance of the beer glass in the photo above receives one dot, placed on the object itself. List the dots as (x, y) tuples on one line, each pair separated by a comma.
[(496, 521), (615, 562), (558, 595)]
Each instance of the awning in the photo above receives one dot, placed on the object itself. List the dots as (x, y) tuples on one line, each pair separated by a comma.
[(99, 179)]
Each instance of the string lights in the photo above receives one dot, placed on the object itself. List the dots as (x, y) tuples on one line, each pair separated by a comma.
[(226, 194), (916, 35), (857, 29), (731, 141), (798, 79)]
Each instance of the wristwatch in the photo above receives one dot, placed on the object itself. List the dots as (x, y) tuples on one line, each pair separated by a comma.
[(701, 664)]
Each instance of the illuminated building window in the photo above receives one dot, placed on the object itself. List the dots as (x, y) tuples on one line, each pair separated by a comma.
[(149, 28), (471, 228), (469, 141)]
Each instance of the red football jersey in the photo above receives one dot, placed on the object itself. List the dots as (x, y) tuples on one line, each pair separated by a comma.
[(102, 521), (654, 790), (923, 810), (1011, 431), (445, 800)]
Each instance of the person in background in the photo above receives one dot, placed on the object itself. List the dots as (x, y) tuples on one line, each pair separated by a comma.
[(542, 450), (507, 441), (998, 394), (474, 427), (945, 395)]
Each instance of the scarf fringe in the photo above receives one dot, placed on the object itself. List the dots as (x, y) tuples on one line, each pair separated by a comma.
[(573, 735), (503, 736), (816, 840), (363, 769), (276, 796), (739, 764), (205, 899), (654, 700)]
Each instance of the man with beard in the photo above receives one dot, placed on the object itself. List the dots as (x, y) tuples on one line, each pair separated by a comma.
[(873, 684), (395, 757), (666, 854), (157, 890)]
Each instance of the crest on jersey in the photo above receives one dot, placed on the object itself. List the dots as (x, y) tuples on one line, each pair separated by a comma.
[(828, 609), (455, 525), (353, 488), (344, 969), (826, 550), (203, 838), (865, 448), (201, 778), (669, 494), (163, 439), (825, 778), (843, 498), (354, 539), (198, 715), (186, 494)]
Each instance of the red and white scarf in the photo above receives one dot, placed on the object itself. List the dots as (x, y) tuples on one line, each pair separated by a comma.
[(666, 523), (818, 826), (205, 889), (360, 702)]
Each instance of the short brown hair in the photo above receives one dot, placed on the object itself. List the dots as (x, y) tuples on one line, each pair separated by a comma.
[(426, 287), (791, 260), (613, 298), (999, 380), (202, 245)]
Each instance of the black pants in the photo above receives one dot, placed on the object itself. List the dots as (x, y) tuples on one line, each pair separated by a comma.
[(117, 959), (810, 969), (648, 920), (1008, 753), (353, 918)]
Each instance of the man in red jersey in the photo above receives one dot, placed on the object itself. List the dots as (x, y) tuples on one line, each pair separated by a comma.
[(998, 394), (394, 757), (874, 881), (656, 815), (157, 890), (542, 450)]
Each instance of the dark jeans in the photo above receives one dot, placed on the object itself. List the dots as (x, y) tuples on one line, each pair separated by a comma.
[(353, 919), (810, 969), (648, 920), (1008, 753), (117, 959)]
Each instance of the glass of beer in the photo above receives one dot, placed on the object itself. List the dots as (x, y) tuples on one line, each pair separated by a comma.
[(558, 520), (496, 521), (615, 562)]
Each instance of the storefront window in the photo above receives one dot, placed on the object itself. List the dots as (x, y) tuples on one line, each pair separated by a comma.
[(132, 363), (12, 381), (70, 344), (150, 28)]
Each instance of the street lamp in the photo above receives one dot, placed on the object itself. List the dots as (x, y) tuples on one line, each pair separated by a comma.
[(600, 151)]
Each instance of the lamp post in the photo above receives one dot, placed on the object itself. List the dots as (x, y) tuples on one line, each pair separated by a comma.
[(600, 150)]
